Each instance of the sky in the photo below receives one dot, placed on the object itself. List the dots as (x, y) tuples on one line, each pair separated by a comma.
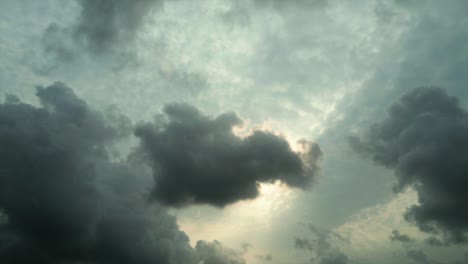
[(234, 132)]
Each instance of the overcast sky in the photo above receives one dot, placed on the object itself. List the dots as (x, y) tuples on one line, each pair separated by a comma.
[(234, 132)]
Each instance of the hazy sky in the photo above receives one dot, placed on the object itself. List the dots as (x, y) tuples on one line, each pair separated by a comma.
[(234, 132)]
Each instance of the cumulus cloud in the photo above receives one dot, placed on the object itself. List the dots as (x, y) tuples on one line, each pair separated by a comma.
[(322, 245), (424, 139), (62, 199), (397, 236), (197, 159)]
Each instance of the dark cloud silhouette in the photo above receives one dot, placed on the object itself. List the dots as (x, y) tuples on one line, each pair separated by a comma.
[(424, 138), (397, 236), (215, 253), (197, 159), (323, 247), (62, 200)]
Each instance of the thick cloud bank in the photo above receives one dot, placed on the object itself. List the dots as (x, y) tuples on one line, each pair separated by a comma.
[(424, 138), (198, 159), (62, 200)]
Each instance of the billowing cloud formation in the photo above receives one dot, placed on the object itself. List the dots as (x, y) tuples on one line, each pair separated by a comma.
[(215, 253), (322, 246), (424, 138), (397, 236), (198, 159), (62, 200)]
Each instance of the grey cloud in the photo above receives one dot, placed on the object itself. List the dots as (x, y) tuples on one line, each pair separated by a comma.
[(418, 256), (62, 200), (421, 43), (198, 159), (215, 253), (323, 247), (302, 243), (246, 246), (397, 236), (103, 23), (56, 41), (11, 99), (435, 242), (284, 6), (430, 27), (424, 139), (334, 257), (102, 27), (245, 9)]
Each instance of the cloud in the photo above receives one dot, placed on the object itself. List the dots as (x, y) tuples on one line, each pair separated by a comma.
[(397, 236), (198, 159), (424, 139), (265, 257), (418, 256), (104, 23), (102, 27), (302, 243), (215, 253), (287, 5), (322, 246), (435, 242), (246, 246), (62, 199)]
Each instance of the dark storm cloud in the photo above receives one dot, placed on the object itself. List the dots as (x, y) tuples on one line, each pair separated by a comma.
[(198, 159), (322, 246), (424, 138), (397, 236), (63, 201), (215, 253)]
